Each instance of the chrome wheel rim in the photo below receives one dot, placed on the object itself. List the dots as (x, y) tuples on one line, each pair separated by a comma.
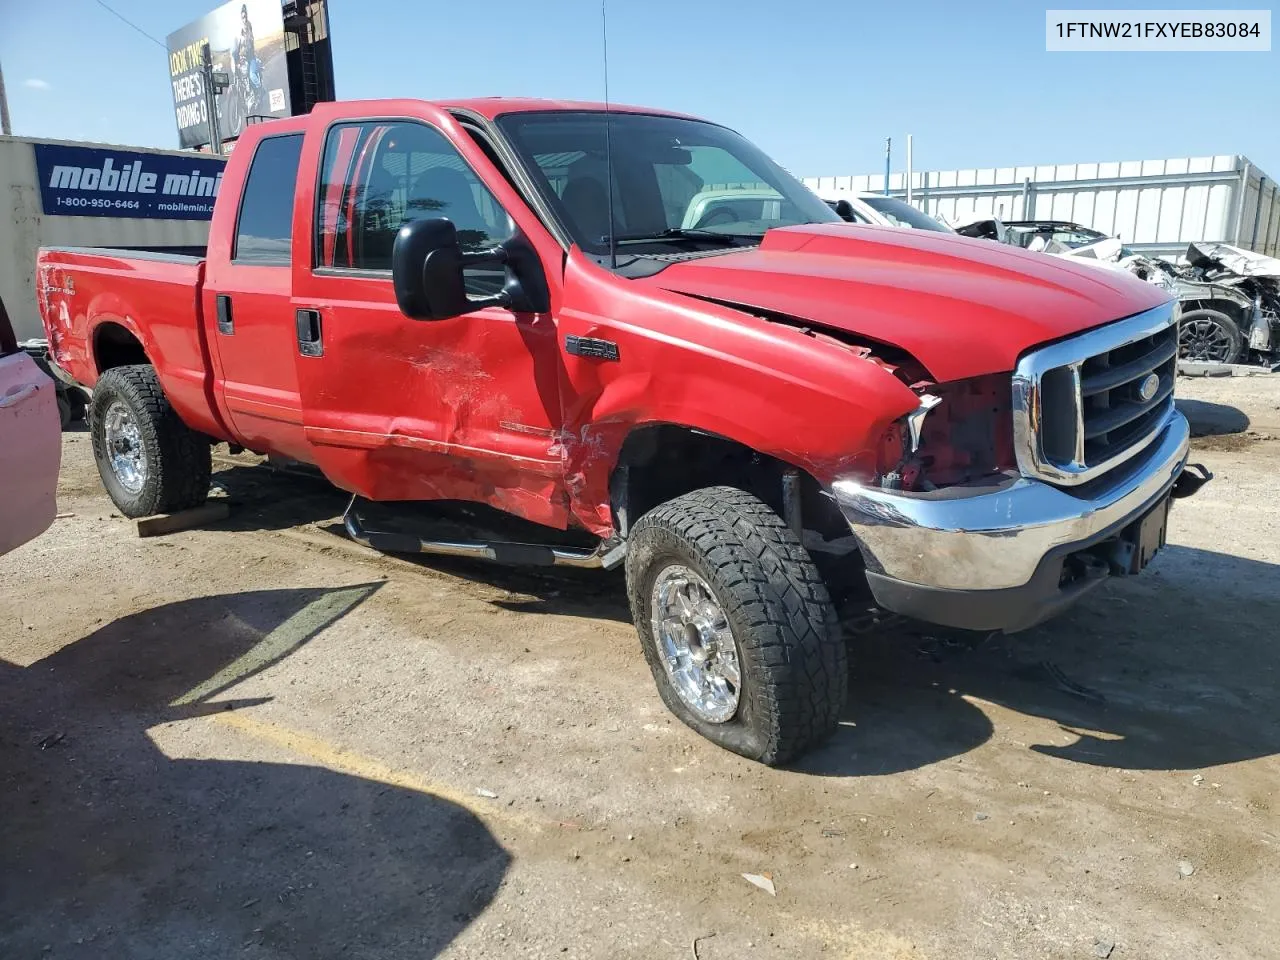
[(1204, 339), (123, 440), (696, 644)]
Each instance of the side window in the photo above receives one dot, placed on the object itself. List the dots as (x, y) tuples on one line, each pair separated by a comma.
[(266, 210), (377, 175)]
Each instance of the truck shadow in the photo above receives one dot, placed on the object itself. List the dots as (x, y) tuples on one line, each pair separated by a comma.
[(1175, 670), (1212, 419), (1169, 671), (115, 849), (265, 499), (262, 498)]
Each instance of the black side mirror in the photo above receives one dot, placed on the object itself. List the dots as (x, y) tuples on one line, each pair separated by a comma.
[(426, 271), (845, 209)]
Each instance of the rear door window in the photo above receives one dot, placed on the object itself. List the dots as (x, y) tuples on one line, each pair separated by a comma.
[(265, 227)]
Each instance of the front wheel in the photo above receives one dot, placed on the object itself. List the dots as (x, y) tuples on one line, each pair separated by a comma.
[(1209, 335), (149, 460), (736, 624)]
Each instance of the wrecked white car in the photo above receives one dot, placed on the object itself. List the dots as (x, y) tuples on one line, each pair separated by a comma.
[(1061, 238), (881, 210)]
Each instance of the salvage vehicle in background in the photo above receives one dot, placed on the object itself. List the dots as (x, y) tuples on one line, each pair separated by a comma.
[(501, 302), (1230, 302), (30, 443), (1229, 298), (1062, 238), (876, 208)]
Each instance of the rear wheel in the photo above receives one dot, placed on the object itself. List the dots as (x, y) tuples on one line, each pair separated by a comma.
[(149, 460), (736, 624), (1210, 336)]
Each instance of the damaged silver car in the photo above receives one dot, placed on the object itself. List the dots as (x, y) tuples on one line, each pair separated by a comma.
[(1230, 301), (1229, 297)]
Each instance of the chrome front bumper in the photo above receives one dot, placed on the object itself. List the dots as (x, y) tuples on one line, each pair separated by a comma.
[(996, 540)]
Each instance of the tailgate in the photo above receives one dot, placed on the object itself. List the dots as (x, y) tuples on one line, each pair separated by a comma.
[(30, 450)]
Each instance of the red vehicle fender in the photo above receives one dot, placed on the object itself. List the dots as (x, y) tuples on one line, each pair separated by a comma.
[(809, 401)]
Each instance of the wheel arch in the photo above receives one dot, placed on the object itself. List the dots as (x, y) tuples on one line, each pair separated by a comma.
[(1239, 311), (117, 344), (659, 461)]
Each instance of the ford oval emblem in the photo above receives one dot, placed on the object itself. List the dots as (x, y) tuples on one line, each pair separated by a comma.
[(1147, 389)]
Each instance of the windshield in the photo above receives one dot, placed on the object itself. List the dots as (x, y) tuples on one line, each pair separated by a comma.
[(1068, 235), (676, 182), (902, 214)]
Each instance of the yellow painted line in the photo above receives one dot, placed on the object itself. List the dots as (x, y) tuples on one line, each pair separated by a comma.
[(339, 759), (852, 940)]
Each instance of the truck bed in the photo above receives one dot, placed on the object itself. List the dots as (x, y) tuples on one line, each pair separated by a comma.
[(100, 304)]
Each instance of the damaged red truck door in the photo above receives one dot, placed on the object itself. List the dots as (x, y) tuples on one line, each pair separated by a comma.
[(762, 411), (466, 408)]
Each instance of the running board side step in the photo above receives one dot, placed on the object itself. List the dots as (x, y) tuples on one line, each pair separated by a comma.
[(606, 556)]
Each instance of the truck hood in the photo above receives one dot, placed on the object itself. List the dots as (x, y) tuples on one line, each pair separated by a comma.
[(962, 307)]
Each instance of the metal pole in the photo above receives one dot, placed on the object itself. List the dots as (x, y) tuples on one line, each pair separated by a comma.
[(888, 151), (1257, 213), (211, 101), (1244, 192), (1026, 198), (908, 168), (5, 129)]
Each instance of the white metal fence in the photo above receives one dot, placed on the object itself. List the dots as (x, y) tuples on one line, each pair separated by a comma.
[(1156, 207)]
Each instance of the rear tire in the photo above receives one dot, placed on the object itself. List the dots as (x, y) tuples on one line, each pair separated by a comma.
[(149, 460), (745, 569)]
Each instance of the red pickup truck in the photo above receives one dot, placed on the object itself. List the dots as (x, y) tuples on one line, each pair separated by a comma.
[(757, 410)]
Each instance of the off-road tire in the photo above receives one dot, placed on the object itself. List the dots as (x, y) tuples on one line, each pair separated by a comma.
[(793, 659), (177, 458)]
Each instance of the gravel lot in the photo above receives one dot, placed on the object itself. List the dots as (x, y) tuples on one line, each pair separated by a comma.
[(261, 741)]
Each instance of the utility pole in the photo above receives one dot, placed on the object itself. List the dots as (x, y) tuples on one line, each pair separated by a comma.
[(908, 168), (888, 153), (211, 101), (5, 129)]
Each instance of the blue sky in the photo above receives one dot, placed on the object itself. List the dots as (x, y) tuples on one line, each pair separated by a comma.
[(818, 83)]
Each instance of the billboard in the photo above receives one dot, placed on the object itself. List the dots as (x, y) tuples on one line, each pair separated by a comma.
[(98, 182), (246, 38)]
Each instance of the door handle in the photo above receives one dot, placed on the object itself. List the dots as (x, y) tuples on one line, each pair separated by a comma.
[(225, 323), (18, 395), (310, 338)]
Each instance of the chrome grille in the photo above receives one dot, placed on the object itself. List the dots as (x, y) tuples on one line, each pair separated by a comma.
[(1085, 405)]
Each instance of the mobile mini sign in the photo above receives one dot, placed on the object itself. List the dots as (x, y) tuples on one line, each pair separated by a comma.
[(96, 182)]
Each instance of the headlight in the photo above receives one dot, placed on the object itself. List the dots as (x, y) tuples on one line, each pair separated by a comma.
[(961, 431)]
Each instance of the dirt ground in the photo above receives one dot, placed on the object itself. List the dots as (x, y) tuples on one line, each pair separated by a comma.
[(261, 741)]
